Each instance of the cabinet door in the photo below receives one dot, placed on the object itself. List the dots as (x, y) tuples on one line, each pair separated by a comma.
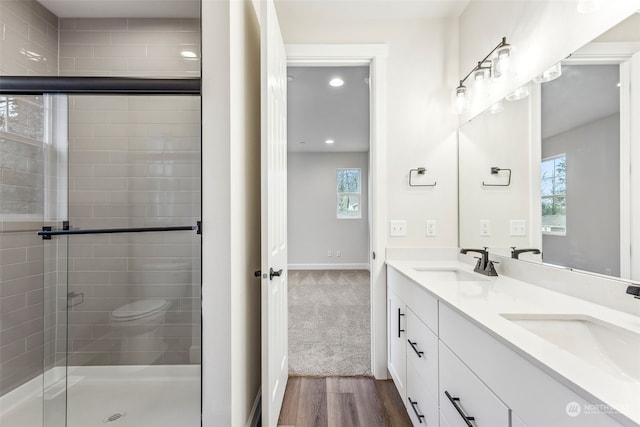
[(463, 395), (397, 337), (422, 352)]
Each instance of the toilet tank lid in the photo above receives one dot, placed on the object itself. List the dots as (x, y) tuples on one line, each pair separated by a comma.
[(138, 308)]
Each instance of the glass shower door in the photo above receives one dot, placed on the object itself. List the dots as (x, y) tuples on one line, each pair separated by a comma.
[(133, 296)]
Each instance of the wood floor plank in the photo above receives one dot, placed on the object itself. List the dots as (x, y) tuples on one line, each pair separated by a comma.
[(312, 403), (289, 411), (340, 385), (342, 402), (394, 411), (341, 410), (369, 408)]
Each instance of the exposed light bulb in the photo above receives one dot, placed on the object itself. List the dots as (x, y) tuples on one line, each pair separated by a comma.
[(460, 100), (501, 62), (549, 74), (336, 82), (481, 74), (518, 94)]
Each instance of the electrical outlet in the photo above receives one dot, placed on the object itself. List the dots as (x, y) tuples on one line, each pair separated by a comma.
[(430, 228), (397, 228), (338, 254), (518, 227), (329, 253), (485, 227)]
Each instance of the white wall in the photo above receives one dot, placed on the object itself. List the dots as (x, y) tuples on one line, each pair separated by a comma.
[(543, 32), (313, 226), (231, 234), (421, 69), (592, 242), (500, 140)]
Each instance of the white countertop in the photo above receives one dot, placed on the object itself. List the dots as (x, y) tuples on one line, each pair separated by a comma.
[(483, 302)]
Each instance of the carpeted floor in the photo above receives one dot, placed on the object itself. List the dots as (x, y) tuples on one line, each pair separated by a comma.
[(329, 323)]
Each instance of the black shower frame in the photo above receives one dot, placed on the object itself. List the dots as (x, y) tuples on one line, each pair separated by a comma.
[(39, 85)]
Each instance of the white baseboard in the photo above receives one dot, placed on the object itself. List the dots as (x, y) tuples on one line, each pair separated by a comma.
[(354, 266), (256, 411)]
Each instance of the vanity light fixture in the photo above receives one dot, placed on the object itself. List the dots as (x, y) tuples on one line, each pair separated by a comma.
[(336, 82), (518, 94), (549, 74), (494, 65)]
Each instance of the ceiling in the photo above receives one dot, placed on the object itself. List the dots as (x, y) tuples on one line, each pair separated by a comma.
[(582, 94), (317, 112), (123, 8), (293, 9), (332, 10)]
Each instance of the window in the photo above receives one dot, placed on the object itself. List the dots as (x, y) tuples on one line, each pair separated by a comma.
[(348, 189), (554, 195)]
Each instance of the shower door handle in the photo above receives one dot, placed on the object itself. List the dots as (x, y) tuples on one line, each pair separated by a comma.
[(47, 232)]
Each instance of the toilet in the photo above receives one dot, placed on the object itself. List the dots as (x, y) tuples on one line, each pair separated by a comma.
[(138, 325)]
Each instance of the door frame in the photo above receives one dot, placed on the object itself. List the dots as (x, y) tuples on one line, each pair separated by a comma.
[(620, 53), (375, 56)]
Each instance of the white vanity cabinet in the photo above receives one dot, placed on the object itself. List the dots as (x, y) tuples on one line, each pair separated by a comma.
[(449, 368), (413, 347), (537, 398)]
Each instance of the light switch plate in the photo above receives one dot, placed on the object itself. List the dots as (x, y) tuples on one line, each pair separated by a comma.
[(430, 228), (485, 227), (397, 228)]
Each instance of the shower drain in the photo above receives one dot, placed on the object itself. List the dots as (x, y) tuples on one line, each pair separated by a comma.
[(114, 417)]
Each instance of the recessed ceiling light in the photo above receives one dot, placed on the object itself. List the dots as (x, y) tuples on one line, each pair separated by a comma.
[(301, 142), (329, 141), (290, 78), (336, 82)]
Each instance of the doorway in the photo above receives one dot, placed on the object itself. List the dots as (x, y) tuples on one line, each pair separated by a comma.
[(373, 58), (328, 220)]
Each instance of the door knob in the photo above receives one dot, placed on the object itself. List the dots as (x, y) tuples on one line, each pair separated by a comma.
[(273, 273), (257, 273)]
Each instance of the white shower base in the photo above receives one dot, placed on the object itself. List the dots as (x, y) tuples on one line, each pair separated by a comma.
[(144, 396)]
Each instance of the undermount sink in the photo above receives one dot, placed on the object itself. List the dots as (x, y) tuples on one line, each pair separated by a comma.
[(599, 343), (448, 275)]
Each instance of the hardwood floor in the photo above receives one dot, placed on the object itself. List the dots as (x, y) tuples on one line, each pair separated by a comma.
[(342, 402)]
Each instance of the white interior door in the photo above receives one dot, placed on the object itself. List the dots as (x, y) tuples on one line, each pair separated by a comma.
[(275, 364)]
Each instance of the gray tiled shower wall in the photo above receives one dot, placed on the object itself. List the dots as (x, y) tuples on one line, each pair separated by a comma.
[(134, 161)]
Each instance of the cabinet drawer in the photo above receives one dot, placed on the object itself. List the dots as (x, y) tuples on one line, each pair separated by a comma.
[(422, 352), (467, 394), (416, 296), (420, 402)]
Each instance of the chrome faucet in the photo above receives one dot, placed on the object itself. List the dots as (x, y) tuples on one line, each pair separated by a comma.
[(515, 253), (634, 290), (484, 265)]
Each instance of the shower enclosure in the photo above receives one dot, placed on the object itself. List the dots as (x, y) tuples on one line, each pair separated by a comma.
[(100, 244)]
